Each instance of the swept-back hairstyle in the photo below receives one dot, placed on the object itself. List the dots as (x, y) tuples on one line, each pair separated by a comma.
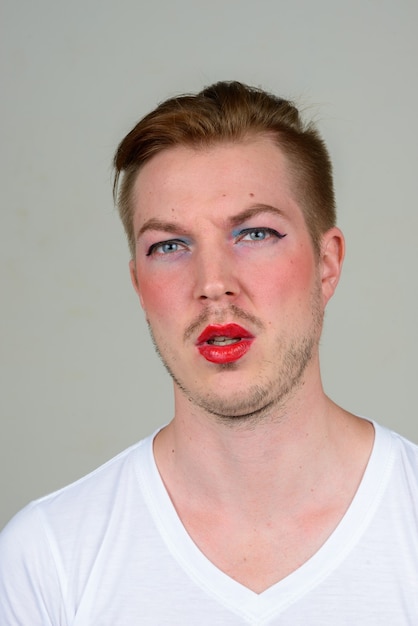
[(230, 112)]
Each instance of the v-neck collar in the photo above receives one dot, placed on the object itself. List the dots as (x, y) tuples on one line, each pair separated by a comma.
[(235, 596)]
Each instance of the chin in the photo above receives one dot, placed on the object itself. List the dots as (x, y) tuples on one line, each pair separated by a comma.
[(235, 404)]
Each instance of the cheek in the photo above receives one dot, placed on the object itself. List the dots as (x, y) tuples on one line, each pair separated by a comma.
[(160, 297), (287, 279), (303, 274)]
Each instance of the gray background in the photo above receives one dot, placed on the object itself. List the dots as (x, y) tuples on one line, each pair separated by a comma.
[(79, 379)]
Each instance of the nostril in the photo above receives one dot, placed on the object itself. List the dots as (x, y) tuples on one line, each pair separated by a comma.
[(214, 290)]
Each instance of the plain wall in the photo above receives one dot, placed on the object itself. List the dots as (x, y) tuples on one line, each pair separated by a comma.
[(79, 378)]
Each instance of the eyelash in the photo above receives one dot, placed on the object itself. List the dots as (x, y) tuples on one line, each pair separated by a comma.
[(239, 237), (268, 231), (152, 249)]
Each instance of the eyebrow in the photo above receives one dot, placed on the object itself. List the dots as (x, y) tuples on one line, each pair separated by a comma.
[(253, 211), (235, 220), (156, 224)]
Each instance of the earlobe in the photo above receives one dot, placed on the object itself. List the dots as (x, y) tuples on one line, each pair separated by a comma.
[(134, 280), (332, 257)]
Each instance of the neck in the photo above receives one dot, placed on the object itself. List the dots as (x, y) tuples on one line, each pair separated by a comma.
[(259, 500), (279, 459)]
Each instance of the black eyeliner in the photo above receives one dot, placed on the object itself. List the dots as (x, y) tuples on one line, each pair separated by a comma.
[(161, 243), (265, 229)]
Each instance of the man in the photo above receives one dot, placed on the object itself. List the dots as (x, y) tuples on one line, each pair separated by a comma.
[(261, 502)]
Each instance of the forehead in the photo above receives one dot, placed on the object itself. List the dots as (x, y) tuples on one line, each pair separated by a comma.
[(198, 179)]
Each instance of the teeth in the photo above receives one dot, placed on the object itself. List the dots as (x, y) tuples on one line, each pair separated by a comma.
[(223, 341)]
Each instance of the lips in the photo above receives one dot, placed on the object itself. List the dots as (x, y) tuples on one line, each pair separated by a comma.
[(224, 343)]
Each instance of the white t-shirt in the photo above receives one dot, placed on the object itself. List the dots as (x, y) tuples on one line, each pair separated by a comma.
[(110, 550)]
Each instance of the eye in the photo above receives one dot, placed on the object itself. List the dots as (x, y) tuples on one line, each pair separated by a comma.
[(259, 234), (164, 248)]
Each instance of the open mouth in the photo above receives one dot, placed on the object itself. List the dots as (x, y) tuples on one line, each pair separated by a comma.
[(224, 343)]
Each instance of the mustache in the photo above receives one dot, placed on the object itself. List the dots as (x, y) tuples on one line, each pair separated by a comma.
[(219, 316)]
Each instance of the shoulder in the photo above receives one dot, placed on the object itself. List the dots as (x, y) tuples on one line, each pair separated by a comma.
[(399, 457), (61, 534), (401, 446), (82, 504)]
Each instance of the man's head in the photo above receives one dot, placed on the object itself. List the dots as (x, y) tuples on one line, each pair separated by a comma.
[(227, 276), (231, 112)]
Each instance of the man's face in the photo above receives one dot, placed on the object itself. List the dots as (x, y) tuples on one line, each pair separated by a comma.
[(227, 275)]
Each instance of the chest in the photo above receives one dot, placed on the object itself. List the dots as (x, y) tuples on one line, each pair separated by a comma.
[(261, 554)]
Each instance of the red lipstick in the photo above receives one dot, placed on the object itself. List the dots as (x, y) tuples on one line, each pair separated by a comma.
[(224, 343)]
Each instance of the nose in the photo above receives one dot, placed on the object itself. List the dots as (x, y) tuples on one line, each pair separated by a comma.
[(215, 276)]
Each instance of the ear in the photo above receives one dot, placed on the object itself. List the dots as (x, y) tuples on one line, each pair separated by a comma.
[(331, 262), (134, 280)]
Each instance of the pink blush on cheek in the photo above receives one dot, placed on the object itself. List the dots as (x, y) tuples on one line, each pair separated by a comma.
[(159, 295)]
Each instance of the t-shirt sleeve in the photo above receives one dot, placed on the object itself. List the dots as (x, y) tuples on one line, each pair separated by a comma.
[(30, 588)]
